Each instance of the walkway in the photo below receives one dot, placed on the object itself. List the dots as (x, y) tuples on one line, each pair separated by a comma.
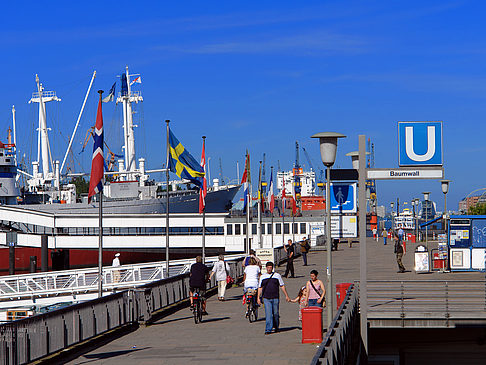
[(226, 337)]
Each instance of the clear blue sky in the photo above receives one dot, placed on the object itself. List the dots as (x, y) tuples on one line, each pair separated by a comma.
[(258, 75)]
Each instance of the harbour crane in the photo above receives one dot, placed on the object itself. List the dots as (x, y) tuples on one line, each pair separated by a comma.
[(320, 180), (221, 171)]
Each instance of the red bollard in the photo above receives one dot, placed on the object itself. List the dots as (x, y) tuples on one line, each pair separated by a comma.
[(312, 325), (341, 290)]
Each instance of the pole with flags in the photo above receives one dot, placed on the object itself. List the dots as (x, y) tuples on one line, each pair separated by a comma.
[(245, 181), (271, 200), (283, 210), (202, 199), (260, 207), (96, 185), (294, 207), (167, 204)]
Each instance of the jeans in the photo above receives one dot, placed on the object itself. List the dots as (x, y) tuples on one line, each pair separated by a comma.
[(304, 257), (313, 303), (384, 240), (272, 318)]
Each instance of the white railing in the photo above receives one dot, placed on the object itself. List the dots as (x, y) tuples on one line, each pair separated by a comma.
[(45, 94), (83, 281)]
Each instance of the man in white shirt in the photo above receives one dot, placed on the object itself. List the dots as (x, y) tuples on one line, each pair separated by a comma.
[(116, 263)]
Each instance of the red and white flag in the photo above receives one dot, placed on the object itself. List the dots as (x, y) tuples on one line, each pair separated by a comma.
[(270, 196), (97, 161), (137, 80), (294, 199), (284, 199), (203, 192)]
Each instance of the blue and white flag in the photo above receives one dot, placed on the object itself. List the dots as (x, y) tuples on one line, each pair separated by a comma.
[(111, 94)]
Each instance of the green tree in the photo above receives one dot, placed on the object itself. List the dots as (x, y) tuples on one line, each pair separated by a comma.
[(478, 209), (82, 186)]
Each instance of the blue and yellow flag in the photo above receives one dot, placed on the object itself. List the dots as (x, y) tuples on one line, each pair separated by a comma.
[(182, 163)]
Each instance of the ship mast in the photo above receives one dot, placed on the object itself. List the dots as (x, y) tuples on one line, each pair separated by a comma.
[(127, 97), (43, 148)]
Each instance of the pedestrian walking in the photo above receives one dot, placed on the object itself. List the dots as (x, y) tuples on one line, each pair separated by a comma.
[(301, 300), (290, 249), (375, 234), (399, 252), (304, 249), (116, 273), (268, 289), (222, 270), (315, 291), (385, 236)]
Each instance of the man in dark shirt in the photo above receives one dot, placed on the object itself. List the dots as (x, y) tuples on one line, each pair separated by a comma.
[(290, 249), (197, 280), (268, 290)]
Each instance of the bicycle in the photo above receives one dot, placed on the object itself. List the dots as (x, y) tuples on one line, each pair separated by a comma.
[(252, 307), (197, 300)]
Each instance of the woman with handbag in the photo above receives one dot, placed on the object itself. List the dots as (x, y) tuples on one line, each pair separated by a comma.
[(315, 296), (221, 270)]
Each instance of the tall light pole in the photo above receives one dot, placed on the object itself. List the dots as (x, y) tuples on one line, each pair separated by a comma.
[(416, 200), (328, 147), (444, 184), (392, 204), (427, 207)]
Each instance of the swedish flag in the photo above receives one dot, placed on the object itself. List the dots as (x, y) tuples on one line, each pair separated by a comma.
[(182, 163)]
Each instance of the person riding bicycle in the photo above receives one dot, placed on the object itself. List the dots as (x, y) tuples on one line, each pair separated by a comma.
[(251, 278), (197, 280)]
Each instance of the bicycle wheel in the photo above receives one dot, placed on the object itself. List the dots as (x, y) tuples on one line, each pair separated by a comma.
[(199, 312), (251, 312), (196, 311)]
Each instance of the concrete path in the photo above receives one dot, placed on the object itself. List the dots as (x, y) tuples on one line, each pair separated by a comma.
[(226, 337)]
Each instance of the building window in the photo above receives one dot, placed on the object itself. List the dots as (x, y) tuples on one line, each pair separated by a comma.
[(269, 228), (237, 229), (303, 228), (263, 229), (253, 228), (286, 228), (244, 229), (229, 229), (278, 228), (295, 227)]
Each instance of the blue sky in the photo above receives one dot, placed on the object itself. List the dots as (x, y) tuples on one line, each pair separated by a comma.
[(258, 76)]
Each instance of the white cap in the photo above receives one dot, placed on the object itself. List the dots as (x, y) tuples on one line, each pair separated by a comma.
[(118, 254)]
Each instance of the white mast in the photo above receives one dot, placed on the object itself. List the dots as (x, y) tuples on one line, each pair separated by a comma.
[(129, 148), (43, 152), (14, 127)]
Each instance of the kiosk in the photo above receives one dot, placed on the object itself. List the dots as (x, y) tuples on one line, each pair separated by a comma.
[(466, 241)]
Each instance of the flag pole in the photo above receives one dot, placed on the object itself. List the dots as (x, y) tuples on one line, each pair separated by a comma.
[(204, 209), (270, 203), (167, 207), (260, 207), (100, 233), (248, 202)]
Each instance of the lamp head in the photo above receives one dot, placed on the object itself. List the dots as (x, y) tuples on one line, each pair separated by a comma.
[(444, 184), (328, 146), (355, 158), (426, 195), (392, 204)]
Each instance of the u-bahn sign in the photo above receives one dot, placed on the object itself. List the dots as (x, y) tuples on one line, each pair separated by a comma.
[(420, 144)]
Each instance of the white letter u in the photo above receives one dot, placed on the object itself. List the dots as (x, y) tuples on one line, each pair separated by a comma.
[(430, 144)]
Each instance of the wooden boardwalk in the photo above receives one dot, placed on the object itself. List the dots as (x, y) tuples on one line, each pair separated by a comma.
[(226, 337)]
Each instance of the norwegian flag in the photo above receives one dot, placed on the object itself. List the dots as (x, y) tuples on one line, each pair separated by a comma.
[(294, 199), (97, 162), (204, 190), (270, 196), (245, 180)]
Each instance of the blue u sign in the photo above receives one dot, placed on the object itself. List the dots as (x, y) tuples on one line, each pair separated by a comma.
[(420, 143)]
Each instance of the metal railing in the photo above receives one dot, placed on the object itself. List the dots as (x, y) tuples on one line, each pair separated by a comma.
[(444, 302), (343, 338), (39, 336), (83, 281)]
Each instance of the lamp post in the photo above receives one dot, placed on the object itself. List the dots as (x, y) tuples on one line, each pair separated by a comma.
[(444, 184), (392, 204), (416, 200), (426, 206), (328, 147)]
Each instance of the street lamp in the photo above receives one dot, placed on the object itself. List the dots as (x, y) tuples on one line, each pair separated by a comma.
[(392, 205), (328, 147), (355, 158), (426, 206), (415, 202), (444, 184)]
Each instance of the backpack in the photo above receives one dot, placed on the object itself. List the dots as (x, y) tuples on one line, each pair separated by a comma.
[(307, 246)]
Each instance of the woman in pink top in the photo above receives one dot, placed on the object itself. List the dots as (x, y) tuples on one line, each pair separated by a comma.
[(315, 291)]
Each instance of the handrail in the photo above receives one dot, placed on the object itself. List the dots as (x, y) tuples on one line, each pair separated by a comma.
[(339, 343)]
